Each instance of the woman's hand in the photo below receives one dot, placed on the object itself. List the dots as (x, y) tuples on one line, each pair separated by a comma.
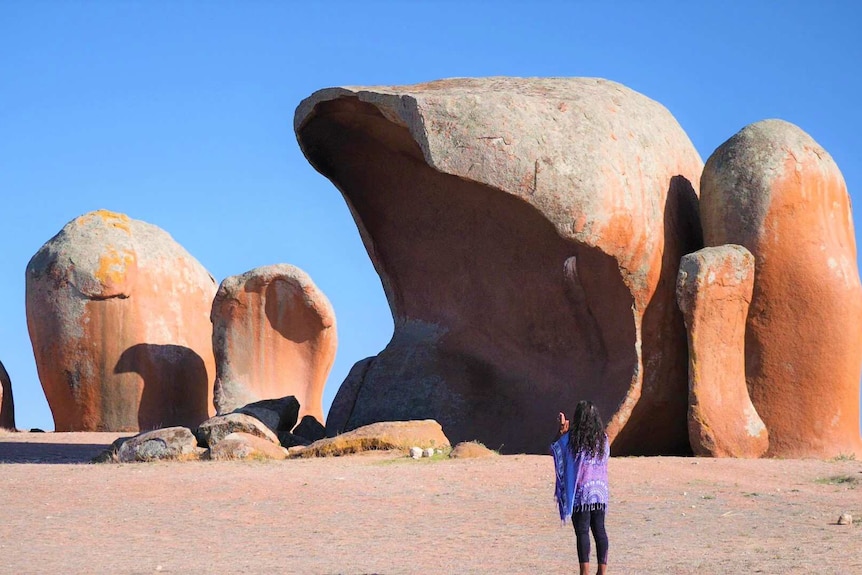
[(564, 423)]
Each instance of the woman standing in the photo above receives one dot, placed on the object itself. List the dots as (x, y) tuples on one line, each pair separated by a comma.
[(581, 454)]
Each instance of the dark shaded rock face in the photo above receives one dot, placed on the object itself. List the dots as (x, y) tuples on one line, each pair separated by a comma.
[(527, 234), (7, 405), (277, 414), (118, 315), (772, 189)]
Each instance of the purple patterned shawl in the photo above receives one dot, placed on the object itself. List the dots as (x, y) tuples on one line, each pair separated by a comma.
[(581, 480)]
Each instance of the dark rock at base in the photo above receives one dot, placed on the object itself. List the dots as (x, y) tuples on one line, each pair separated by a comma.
[(309, 428), (277, 414)]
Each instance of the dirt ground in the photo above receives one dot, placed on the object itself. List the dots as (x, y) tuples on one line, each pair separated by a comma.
[(384, 513)]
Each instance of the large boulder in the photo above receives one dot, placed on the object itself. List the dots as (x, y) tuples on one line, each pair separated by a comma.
[(118, 314), (772, 189), (383, 435), (527, 233), (7, 405), (714, 291), (274, 335)]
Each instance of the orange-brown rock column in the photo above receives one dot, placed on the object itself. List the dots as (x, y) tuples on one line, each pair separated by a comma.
[(774, 190), (274, 335), (714, 291)]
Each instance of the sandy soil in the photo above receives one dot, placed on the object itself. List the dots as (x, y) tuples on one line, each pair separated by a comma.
[(383, 513)]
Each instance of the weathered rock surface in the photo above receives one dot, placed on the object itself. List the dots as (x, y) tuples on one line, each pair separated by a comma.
[(527, 233), (274, 335), (277, 414), (118, 315), (714, 291), (239, 445), (383, 435), (471, 450), (772, 189), (168, 443), (213, 430), (7, 404)]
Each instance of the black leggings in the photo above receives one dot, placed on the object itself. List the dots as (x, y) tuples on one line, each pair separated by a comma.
[(583, 522)]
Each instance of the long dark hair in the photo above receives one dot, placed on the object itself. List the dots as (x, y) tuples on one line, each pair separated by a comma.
[(586, 430)]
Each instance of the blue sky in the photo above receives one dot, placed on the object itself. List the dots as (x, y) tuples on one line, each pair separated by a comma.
[(180, 114)]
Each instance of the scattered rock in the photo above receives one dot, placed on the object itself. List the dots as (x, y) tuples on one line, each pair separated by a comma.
[(7, 404), (713, 291), (416, 452), (428, 452), (772, 189), (239, 445), (167, 443), (471, 450), (845, 519), (310, 428), (274, 334), (276, 414), (549, 214), (382, 435), (118, 314), (213, 430)]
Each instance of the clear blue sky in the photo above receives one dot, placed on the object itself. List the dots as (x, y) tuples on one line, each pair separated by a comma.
[(180, 114)]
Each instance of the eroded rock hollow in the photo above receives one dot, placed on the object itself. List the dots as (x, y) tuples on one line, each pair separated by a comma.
[(118, 314), (527, 233)]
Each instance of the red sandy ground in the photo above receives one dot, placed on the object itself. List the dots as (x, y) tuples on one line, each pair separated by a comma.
[(383, 513)]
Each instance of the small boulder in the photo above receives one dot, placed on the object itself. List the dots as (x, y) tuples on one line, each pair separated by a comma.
[(416, 452), (845, 519), (240, 445), (382, 435), (309, 428), (471, 450), (428, 452), (213, 430), (168, 443), (7, 407), (276, 414)]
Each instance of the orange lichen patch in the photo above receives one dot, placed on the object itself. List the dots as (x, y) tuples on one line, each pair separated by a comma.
[(115, 219), (113, 267)]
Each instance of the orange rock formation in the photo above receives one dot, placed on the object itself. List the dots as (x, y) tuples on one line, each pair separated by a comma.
[(714, 291), (774, 190), (118, 315), (274, 335), (527, 233)]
